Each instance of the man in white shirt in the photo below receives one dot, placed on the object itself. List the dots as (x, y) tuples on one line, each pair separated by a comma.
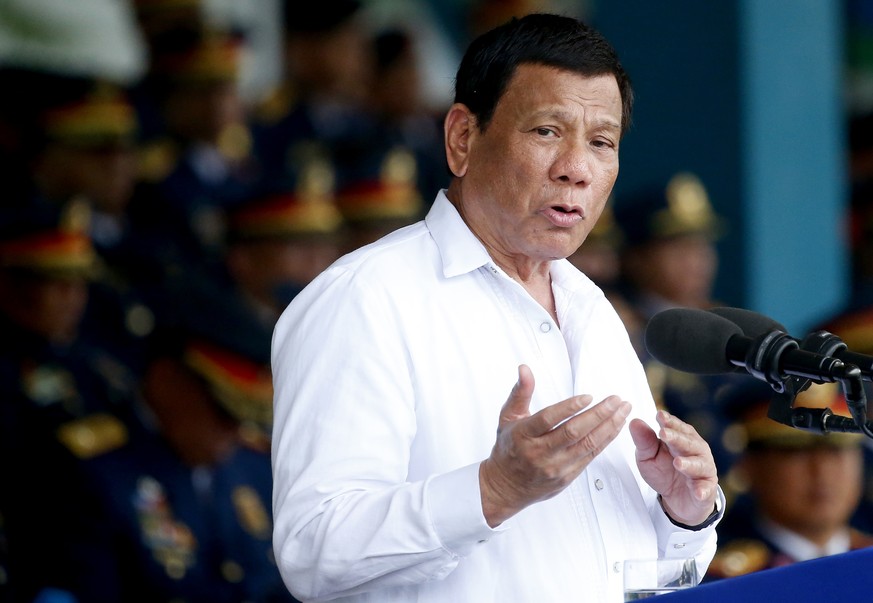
[(394, 369)]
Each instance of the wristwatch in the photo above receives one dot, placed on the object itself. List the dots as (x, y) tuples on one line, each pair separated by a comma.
[(713, 517)]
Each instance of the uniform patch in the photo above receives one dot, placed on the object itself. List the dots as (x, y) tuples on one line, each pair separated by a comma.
[(172, 543)]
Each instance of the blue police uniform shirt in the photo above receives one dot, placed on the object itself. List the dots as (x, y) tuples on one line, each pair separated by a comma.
[(159, 530)]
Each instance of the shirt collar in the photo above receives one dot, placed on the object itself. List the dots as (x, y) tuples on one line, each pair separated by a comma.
[(798, 547), (460, 250)]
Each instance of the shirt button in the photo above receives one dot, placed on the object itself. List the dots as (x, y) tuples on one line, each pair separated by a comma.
[(598, 483), (616, 567), (545, 327), (679, 545)]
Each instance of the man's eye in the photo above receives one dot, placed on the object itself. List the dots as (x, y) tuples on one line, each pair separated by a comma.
[(545, 131)]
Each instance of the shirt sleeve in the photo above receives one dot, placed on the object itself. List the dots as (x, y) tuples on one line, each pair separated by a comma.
[(676, 542), (346, 518)]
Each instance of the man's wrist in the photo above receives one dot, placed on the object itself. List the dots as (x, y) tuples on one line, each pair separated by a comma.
[(711, 519)]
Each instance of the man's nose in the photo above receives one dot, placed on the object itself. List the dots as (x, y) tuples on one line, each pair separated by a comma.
[(573, 164)]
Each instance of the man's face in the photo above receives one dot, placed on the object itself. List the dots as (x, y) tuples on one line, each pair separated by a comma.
[(202, 112), (259, 268), (49, 307), (537, 179), (104, 175), (680, 269), (811, 491)]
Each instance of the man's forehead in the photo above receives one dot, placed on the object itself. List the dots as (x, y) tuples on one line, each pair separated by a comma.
[(548, 86)]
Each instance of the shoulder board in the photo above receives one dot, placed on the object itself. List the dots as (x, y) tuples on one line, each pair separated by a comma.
[(93, 435), (740, 557)]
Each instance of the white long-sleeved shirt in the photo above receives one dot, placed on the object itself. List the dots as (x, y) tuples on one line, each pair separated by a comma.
[(390, 370)]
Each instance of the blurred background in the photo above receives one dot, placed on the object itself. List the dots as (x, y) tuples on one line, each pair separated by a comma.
[(764, 103), (175, 171)]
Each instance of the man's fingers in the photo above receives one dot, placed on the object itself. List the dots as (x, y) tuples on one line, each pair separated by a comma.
[(645, 439), (584, 433), (695, 467), (692, 455)]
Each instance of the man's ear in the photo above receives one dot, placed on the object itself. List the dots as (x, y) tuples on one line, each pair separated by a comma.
[(459, 124)]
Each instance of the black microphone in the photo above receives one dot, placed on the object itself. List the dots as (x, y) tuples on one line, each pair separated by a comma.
[(752, 323), (820, 342), (698, 341)]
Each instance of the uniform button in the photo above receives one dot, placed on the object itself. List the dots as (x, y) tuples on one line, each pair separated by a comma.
[(545, 327), (598, 483), (679, 545), (616, 567)]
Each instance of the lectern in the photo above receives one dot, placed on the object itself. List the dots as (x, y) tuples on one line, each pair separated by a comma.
[(844, 578)]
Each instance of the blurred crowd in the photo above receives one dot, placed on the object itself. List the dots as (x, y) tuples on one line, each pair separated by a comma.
[(151, 232)]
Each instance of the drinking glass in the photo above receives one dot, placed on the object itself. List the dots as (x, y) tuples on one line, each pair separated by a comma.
[(644, 578)]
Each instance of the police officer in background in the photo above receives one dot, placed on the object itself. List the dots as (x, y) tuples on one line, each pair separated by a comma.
[(854, 326), (201, 163), (801, 488), (181, 511), (60, 397), (378, 193), (278, 241), (83, 133), (320, 109), (403, 120), (668, 259)]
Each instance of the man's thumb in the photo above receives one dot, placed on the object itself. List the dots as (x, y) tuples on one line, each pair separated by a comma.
[(517, 405)]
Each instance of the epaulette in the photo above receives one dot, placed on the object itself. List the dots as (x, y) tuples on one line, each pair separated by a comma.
[(740, 557), (251, 512), (93, 435), (156, 159)]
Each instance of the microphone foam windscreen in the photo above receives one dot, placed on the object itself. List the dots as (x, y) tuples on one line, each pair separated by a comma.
[(691, 340), (752, 323)]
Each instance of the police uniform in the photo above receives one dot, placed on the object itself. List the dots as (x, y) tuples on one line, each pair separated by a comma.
[(418, 129), (159, 528), (289, 127), (58, 397), (95, 117), (748, 541), (187, 185), (167, 532)]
